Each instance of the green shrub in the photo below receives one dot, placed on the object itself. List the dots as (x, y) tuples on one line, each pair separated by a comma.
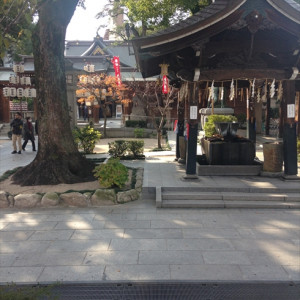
[(112, 174), (86, 138), (117, 148), (121, 148), (135, 147), (298, 146), (209, 126), (136, 123), (139, 132)]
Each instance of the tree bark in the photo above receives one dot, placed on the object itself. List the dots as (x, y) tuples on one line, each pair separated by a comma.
[(159, 139), (58, 159)]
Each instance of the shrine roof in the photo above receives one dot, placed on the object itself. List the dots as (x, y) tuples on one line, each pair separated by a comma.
[(212, 14), (100, 47), (278, 18)]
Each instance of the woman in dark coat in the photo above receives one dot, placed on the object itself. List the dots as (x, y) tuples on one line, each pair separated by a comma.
[(28, 134)]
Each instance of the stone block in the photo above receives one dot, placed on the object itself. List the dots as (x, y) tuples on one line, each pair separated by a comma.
[(74, 199), (103, 197), (123, 197), (11, 200), (4, 202), (50, 199), (27, 200), (134, 194)]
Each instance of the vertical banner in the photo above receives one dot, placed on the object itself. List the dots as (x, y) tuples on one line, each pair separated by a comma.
[(116, 63), (175, 126), (165, 85)]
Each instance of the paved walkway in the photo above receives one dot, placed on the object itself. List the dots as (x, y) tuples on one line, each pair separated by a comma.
[(137, 241)]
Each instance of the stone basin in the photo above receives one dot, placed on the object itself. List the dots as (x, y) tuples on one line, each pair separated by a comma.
[(227, 129), (237, 151)]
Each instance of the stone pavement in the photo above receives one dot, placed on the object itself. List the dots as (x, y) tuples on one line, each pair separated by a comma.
[(137, 241)]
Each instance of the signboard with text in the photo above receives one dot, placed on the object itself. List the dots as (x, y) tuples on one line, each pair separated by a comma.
[(16, 106)]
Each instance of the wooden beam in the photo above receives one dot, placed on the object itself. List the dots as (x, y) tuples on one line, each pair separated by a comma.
[(261, 45), (228, 74)]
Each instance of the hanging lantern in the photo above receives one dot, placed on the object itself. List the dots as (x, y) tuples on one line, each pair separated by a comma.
[(20, 92), (22, 80), (32, 93), (18, 68), (25, 80), (26, 92), (165, 85), (12, 92), (6, 92), (14, 79)]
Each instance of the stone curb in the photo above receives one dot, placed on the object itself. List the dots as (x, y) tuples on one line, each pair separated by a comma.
[(99, 197)]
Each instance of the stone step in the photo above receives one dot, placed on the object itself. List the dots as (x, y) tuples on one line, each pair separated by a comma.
[(226, 198), (232, 196), (228, 204), (215, 189)]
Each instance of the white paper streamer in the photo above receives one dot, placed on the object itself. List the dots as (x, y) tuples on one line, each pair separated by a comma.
[(253, 89), (231, 95), (272, 89)]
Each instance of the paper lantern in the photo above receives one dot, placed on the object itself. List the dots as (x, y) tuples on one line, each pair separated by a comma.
[(6, 92), (13, 92), (18, 68), (20, 93)]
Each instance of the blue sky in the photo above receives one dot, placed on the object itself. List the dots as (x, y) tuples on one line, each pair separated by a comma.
[(83, 25)]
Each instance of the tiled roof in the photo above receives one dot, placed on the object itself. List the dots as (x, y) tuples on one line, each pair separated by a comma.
[(209, 16), (203, 19), (289, 8), (111, 48)]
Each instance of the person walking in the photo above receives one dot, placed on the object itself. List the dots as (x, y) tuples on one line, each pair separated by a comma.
[(17, 127), (28, 134)]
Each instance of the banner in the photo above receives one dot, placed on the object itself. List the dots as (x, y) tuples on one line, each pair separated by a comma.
[(165, 85), (116, 64)]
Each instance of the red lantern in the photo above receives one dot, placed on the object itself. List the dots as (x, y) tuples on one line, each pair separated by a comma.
[(165, 85)]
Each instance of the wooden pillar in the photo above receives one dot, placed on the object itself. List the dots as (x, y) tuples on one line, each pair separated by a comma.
[(297, 114), (180, 129), (267, 115), (289, 130), (191, 164), (251, 131), (180, 141), (258, 117)]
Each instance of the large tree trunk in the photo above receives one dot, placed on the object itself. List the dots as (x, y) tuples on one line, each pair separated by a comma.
[(105, 121), (58, 159)]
